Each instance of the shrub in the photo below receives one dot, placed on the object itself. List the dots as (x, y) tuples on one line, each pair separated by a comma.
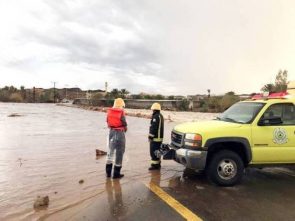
[(15, 97), (228, 100), (4, 95), (214, 104), (94, 100), (184, 105)]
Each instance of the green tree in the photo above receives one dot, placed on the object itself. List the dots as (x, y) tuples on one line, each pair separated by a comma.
[(148, 97), (23, 92), (268, 88), (184, 105), (213, 103), (137, 96), (281, 81), (4, 95), (159, 97), (94, 100), (124, 93), (227, 101), (115, 93), (280, 84), (12, 89), (47, 96), (230, 93)]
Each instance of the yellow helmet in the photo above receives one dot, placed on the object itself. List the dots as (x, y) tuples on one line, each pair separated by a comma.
[(119, 103), (156, 106)]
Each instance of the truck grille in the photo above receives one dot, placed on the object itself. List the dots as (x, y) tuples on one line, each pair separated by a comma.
[(176, 138)]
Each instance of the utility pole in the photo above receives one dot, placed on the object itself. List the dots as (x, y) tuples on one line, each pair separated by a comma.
[(54, 94), (66, 91), (209, 91), (77, 91), (34, 95), (106, 87)]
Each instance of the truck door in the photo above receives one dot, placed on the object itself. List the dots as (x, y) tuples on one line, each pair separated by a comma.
[(274, 142)]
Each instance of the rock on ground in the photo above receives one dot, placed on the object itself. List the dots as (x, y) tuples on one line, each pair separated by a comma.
[(41, 202)]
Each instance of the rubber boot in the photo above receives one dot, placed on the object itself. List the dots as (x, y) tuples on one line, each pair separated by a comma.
[(117, 174), (109, 169), (155, 167)]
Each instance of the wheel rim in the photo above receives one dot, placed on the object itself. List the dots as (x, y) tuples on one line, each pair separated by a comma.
[(227, 169)]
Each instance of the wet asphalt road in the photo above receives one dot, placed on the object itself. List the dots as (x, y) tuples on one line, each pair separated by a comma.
[(267, 194)]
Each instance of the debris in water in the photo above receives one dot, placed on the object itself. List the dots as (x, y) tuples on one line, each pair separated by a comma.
[(81, 181), (199, 187), (41, 202), (55, 192), (100, 152), (15, 115), (138, 115), (20, 162)]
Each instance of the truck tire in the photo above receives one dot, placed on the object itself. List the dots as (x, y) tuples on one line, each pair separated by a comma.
[(226, 168)]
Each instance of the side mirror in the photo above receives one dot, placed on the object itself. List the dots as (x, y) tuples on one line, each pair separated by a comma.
[(268, 121)]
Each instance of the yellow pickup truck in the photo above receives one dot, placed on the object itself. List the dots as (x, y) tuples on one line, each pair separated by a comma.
[(257, 132)]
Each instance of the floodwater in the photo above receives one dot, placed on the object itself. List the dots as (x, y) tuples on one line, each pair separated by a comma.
[(49, 148)]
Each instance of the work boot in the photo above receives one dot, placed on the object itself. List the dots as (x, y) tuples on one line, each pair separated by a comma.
[(155, 167), (109, 169), (117, 174)]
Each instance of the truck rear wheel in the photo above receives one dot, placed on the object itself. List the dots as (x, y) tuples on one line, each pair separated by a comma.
[(226, 168)]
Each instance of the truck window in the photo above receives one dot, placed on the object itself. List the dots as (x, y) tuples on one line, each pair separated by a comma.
[(286, 111), (242, 112)]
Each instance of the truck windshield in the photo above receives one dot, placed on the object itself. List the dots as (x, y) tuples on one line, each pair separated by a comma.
[(242, 112)]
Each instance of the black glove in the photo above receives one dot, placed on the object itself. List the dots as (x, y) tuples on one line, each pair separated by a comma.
[(150, 138)]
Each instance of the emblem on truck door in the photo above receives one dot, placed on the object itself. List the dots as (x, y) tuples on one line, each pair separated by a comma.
[(280, 136)]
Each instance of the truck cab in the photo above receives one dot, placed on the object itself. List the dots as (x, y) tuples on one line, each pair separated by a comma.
[(257, 132)]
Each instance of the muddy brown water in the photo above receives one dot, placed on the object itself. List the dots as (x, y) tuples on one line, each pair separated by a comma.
[(49, 148)]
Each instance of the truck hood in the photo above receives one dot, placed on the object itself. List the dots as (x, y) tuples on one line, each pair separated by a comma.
[(205, 126)]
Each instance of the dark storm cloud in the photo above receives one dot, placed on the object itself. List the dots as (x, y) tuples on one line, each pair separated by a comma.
[(179, 47), (96, 34)]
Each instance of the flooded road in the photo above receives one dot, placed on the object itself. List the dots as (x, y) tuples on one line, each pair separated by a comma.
[(48, 149)]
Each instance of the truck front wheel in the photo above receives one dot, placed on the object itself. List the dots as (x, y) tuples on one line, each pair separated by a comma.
[(226, 168)]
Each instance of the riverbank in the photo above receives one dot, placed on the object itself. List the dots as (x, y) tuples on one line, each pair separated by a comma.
[(170, 116)]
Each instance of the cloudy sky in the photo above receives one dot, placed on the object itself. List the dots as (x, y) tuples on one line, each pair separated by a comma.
[(167, 46)]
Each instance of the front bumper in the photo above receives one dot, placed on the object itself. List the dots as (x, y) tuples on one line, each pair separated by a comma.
[(193, 159)]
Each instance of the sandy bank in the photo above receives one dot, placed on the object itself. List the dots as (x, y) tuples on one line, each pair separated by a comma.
[(173, 116)]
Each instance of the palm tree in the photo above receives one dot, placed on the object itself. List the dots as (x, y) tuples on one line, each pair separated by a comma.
[(124, 92), (115, 93)]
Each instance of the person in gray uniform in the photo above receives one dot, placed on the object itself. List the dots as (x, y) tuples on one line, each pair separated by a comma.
[(118, 126)]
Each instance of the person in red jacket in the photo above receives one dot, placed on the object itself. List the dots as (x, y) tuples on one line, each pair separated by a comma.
[(118, 126)]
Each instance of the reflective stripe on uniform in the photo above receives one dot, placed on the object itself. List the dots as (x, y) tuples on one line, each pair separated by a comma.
[(151, 135), (159, 129), (155, 161), (158, 139)]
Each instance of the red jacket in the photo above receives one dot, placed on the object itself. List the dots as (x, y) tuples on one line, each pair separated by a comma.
[(116, 119)]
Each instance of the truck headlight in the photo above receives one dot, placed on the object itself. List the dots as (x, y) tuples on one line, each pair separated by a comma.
[(193, 140)]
